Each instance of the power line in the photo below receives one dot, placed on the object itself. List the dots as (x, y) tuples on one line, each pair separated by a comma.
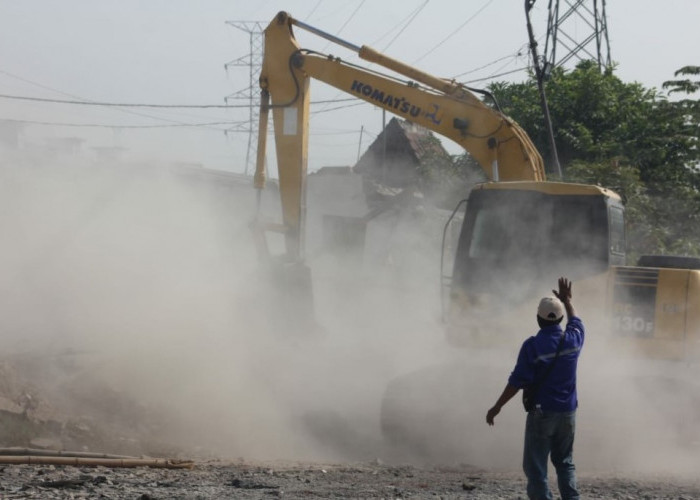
[(512, 56), (123, 105), (313, 10), (397, 26), (345, 132), (325, 110), (497, 75), (459, 28), (346, 22), (36, 84), (412, 17), (135, 113), (102, 125), (132, 105), (499, 72), (351, 16)]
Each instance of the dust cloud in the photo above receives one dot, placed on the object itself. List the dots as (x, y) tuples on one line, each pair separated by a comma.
[(140, 282)]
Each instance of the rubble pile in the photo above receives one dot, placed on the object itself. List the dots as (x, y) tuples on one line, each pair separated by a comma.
[(80, 415)]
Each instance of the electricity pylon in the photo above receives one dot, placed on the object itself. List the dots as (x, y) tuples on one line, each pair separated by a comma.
[(249, 94), (576, 29)]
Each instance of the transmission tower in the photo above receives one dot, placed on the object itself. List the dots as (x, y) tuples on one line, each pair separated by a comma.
[(577, 29), (249, 94)]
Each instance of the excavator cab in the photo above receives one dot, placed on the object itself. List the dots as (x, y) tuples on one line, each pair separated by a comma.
[(518, 237)]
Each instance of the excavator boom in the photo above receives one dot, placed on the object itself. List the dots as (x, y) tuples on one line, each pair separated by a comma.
[(444, 106)]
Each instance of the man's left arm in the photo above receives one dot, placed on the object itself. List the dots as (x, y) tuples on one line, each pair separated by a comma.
[(522, 374), (508, 392)]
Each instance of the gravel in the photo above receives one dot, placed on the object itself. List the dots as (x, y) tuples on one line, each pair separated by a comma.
[(218, 479)]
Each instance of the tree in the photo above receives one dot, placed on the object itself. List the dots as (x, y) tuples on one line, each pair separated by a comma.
[(686, 85), (688, 108), (627, 138)]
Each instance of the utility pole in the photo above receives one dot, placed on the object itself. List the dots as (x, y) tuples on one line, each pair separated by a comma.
[(539, 75), (249, 94), (359, 145)]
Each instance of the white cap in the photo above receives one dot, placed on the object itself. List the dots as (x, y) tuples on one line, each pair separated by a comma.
[(551, 309)]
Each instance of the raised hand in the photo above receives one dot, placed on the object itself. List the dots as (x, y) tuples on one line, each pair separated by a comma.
[(564, 293)]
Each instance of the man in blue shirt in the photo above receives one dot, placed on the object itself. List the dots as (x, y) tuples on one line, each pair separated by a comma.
[(549, 360)]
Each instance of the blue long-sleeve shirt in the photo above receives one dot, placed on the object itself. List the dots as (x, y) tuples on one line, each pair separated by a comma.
[(557, 392)]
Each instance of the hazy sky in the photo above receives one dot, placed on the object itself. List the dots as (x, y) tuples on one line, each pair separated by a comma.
[(175, 52)]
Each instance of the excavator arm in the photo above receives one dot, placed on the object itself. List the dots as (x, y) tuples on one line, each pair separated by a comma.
[(446, 107)]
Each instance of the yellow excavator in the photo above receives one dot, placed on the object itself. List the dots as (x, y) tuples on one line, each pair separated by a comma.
[(519, 231), (517, 228)]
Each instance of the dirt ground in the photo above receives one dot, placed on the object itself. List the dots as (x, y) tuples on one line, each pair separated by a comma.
[(30, 420), (215, 479)]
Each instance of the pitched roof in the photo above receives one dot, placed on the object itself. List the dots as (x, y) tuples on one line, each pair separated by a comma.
[(422, 141), (401, 140)]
